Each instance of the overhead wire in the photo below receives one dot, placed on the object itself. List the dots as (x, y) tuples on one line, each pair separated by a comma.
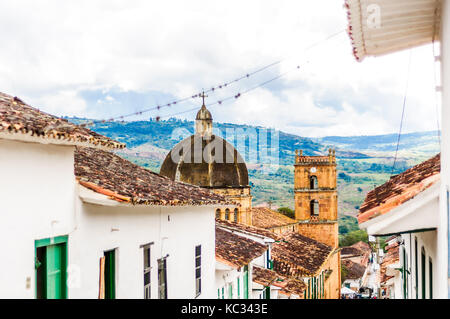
[(403, 112), (223, 85)]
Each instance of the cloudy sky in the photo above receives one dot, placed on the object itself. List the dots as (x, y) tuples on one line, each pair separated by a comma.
[(101, 59)]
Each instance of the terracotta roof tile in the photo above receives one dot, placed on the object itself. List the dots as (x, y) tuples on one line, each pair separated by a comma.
[(400, 188), (264, 276), (355, 270), (16, 117), (350, 251), (392, 256), (298, 256), (246, 228), (266, 218), (123, 181), (235, 250), (362, 246), (267, 277)]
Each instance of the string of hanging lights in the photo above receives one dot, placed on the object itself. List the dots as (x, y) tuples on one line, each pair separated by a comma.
[(234, 96), (223, 85)]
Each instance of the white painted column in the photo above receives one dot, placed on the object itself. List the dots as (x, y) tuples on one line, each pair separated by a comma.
[(442, 245)]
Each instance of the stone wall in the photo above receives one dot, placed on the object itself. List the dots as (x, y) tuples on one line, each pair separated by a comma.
[(328, 204), (324, 232)]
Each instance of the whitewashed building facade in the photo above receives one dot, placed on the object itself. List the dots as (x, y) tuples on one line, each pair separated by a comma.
[(110, 230), (382, 27)]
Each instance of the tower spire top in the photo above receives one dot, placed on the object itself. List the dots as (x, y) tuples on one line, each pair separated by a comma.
[(203, 95), (203, 120)]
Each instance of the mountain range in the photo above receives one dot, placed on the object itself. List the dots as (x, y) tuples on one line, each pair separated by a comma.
[(363, 161)]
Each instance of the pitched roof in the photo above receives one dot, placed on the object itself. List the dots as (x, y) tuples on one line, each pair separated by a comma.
[(235, 250), (362, 246), (264, 276), (19, 120), (246, 228), (400, 188), (298, 256), (266, 218), (355, 270), (392, 256), (350, 251), (268, 277), (123, 181)]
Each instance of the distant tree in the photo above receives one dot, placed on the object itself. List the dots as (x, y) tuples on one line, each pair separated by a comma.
[(353, 237), (287, 211), (343, 230), (360, 189)]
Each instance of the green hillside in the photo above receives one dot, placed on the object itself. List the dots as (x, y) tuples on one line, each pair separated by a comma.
[(363, 161)]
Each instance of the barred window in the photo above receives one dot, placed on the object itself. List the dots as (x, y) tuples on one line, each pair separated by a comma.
[(162, 278), (147, 272), (198, 270)]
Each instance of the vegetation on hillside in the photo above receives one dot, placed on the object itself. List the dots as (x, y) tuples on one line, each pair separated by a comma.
[(287, 212), (363, 161), (353, 237)]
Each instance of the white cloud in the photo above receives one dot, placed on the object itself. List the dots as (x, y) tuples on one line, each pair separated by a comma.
[(54, 50)]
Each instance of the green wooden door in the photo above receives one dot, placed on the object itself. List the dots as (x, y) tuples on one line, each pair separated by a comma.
[(110, 274), (55, 271), (246, 282), (51, 268)]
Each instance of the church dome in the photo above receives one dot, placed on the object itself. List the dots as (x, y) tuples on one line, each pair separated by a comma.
[(204, 114), (207, 162)]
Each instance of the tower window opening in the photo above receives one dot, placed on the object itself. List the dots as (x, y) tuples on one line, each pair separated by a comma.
[(227, 214), (236, 215), (218, 213), (313, 183), (314, 207)]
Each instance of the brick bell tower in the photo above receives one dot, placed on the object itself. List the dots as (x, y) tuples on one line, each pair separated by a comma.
[(316, 197)]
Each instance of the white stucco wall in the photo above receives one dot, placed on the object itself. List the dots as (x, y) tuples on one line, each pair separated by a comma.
[(39, 199), (37, 194), (223, 279), (427, 240), (443, 271), (175, 231)]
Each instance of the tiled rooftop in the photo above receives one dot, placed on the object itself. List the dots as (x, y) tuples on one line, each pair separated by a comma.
[(355, 270), (245, 228), (16, 117), (266, 218), (123, 181), (267, 277), (362, 246), (350, 251), (392, 256), (236, 251), (298, 256), (264, 276), (400, 188)]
